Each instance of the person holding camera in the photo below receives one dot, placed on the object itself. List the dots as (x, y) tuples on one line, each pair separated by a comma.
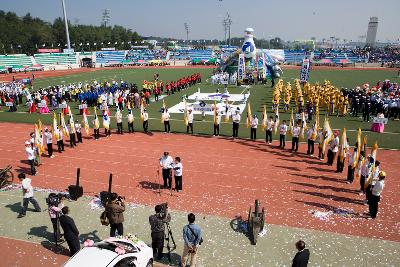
[(157, 222), (71, 233), (55, 203), (192, 239), (115, 214)]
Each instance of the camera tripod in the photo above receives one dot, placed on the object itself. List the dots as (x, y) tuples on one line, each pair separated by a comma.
[(170, 238)]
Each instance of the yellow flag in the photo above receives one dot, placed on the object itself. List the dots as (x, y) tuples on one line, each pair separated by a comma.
[(164, 112), (215, 113), (96, 119), (265, 118), (343, 145), (55, 126), (64, 125), (85, 123), (328, 134), (276, 120), (374, 151), (291, 123), (357, 154), (227, 110), (142, 111), (249, 115), (185, 114)]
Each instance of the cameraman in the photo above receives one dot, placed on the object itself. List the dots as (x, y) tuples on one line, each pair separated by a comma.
[(157, 222), (115, 215), (55, 204)]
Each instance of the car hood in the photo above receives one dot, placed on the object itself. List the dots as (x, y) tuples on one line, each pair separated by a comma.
[(91, 257)]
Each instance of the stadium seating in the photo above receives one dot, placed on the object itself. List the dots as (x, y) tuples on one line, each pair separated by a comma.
[(55, 59), (294, 56), (110, 57), (18, 61), (198, 54)]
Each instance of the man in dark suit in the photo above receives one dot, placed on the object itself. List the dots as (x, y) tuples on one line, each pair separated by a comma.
[(71, 233), (302, 256)]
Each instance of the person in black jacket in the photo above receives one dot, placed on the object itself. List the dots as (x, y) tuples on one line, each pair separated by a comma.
[(71, 233), (302, 256)]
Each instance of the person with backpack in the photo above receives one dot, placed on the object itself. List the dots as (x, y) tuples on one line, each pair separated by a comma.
[(192, 240)]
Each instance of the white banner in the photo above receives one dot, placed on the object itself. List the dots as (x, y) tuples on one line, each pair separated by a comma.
[(9, 104), (241, 68), (62, 105), (305, 70), (83, 106)]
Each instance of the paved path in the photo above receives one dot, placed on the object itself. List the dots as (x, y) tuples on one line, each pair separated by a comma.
[(222, 245)]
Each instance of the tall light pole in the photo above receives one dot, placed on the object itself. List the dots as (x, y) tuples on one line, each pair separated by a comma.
[(105, 18), (187, 31), (228, 23), (225, 25), (66, 24)]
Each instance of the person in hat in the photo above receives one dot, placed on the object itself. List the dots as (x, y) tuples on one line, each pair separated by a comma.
[(27, 190), (78, 129), (376, 194), (30, 153), (236, 120), (268, 130), (145, 121), (253, 129), (190, 118), (333, 148), (49, 142)]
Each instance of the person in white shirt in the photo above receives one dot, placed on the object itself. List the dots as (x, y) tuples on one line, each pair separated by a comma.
[(253, 129), (166, 117), (145, 121), (217, 123), (27, 191), (236, 120), (178, 170), (130, 121), (118, 118), (351, 168), (268, 130), (340, 162), (364, 174), (30, 153), (310, 141), (295, 137), (282, 134), (60, 139), (78, 129), (190, 121), (374, 175), (166, 162), (49, 141), (376, 195), (333, 148)]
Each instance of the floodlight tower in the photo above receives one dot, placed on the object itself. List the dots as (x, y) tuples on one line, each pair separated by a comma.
[(225, 25), (228, 23), (66, 24), (105, 18), (187, 31)]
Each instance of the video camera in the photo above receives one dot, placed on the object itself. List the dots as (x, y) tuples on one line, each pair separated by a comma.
[(54, 199), (163, 209)]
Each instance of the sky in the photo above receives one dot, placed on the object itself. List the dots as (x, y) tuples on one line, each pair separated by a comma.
[(288, 19)]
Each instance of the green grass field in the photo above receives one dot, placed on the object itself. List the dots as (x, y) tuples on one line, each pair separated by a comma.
[(260, 95)]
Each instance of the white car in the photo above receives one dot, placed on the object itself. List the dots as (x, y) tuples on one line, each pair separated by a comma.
[(102, 254)]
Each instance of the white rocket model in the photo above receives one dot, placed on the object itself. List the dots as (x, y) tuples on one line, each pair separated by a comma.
[(248, 47)]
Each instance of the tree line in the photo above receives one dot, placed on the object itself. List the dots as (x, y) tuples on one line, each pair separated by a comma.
[(25, 35)]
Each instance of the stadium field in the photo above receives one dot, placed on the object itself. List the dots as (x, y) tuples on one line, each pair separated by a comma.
[(260, 95)]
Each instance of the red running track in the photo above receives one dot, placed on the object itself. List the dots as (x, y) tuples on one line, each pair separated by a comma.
[(221, 177)]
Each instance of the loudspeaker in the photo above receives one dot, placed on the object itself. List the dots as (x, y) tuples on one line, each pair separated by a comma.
[(76, 191)]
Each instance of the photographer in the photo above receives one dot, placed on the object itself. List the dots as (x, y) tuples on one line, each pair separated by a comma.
[(55, 204), (157, 222), (115, 215)]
